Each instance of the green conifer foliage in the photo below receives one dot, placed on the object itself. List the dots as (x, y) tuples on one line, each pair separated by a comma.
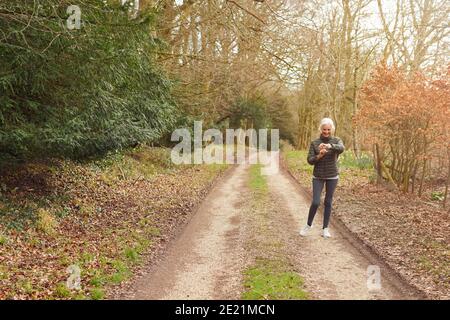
[(80, 92)]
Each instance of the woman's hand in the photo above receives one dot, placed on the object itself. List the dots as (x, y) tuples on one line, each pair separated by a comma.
[(322, 153), (324, 146)]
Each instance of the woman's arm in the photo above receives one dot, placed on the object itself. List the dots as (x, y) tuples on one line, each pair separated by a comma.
[(338, 147), (312, 157)]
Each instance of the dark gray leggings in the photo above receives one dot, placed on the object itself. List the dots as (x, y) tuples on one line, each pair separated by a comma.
[(317, 191)]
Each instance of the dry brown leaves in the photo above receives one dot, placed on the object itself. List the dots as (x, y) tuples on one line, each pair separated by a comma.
[(96, 220)]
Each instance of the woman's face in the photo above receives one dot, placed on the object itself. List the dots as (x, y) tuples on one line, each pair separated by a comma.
[(326, 130)]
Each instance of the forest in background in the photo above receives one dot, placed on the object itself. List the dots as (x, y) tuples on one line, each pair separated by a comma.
[(136, 70)]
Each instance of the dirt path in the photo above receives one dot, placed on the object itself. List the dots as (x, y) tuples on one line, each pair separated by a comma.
[(207, 259), (204, 261), (333, 268)]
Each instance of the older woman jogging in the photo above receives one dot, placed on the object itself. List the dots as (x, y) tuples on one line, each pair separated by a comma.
[(323, 154)]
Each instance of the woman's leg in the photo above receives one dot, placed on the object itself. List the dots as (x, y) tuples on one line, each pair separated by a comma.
[(317, 190), (329, 191)]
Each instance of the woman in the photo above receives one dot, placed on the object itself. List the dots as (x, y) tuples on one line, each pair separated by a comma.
[(323, 154)]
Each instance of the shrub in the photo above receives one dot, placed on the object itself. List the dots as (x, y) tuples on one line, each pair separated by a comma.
[(46, 222), (3, 239), (83, 92)]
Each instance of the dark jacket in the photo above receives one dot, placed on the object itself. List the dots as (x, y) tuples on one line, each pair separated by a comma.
[(325, 167)]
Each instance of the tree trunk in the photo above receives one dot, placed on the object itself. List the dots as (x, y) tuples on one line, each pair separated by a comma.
[(378, 163), (422, 178), (448, 179)]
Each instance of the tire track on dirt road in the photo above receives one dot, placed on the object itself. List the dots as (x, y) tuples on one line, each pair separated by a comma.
[(204, 261)]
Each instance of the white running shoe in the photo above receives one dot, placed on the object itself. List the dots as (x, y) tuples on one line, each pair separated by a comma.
[(305, 231), (326, 233)]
